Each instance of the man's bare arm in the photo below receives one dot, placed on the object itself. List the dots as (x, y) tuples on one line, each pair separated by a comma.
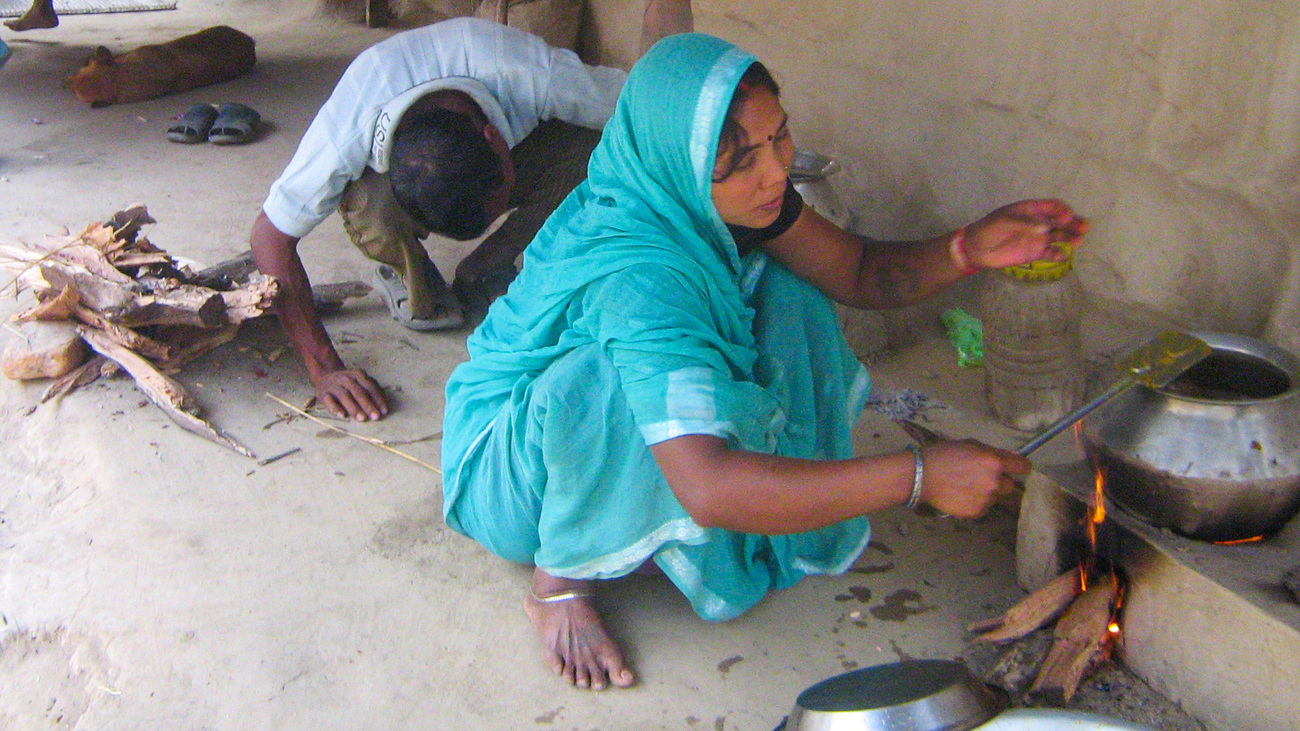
[(349, 393)]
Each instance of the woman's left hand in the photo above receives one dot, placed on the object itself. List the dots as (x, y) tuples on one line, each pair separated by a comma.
[(1018, 233)]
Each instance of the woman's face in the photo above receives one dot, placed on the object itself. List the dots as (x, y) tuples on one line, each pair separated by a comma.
[(752, 193)]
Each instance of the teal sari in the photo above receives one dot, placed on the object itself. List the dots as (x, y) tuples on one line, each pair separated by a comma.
[(634, 320)]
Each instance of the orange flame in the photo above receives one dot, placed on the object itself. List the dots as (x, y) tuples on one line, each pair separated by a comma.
[(1113, 627), (1239, 541), (1096, 516), (1098, 507)]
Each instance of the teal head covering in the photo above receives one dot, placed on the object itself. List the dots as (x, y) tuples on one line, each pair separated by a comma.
[(655, 161), (644, 214)]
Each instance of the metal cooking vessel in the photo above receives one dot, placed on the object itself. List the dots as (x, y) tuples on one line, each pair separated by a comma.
[(913, 695), (1215, 455), (809, 171)]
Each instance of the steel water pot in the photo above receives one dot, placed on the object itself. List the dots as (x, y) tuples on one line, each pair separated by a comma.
[(1214, 455)]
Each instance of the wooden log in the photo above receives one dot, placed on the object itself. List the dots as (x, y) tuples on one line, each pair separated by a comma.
[(43, 349), (130, 306), (228, 274), (87, 373), (1018, 665), (77, 252), (197, 343), (173, 304), (25, 266), (94, 291), (119, 231), (60, 306), (140, 259), (1080, 642), (166, 393), (252, 299), (148, 347), (126, 223), (239, 271), (1032, 612), (330, 297)]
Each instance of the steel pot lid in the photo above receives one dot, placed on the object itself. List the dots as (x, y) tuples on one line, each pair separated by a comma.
[(914, 695)]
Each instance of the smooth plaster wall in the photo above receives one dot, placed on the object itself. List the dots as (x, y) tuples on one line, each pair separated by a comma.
[(1172, 124)]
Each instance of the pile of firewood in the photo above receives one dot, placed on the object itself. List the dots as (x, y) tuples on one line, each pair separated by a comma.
[(1085, 632), (108, 299)]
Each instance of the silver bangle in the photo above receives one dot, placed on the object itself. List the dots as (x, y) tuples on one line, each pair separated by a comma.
[(918, 476)]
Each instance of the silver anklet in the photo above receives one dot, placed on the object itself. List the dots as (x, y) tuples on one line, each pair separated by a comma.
[(563, 596)]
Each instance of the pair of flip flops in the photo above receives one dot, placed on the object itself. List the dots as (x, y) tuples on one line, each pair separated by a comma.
[(229, 124)]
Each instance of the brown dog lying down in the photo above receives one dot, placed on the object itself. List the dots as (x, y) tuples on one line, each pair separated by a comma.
[(207, 57)]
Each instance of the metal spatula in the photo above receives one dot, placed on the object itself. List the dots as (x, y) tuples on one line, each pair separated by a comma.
[(1155, 363)]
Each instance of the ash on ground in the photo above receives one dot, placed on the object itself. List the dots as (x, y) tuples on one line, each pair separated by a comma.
[(903, 404), (1112, 691)]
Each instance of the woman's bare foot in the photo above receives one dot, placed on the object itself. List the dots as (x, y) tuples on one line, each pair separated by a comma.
[(574, 641), (40, 15)]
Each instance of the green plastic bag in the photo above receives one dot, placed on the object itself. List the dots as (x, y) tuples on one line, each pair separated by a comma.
[(966, 333)]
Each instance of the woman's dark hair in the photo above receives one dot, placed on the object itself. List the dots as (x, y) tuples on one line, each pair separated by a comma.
[(755, 77), (442, 171)]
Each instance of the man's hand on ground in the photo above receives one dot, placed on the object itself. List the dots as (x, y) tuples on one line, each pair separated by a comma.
[(351, 394)]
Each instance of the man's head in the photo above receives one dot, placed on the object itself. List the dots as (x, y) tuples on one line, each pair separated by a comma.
[(450, 170)]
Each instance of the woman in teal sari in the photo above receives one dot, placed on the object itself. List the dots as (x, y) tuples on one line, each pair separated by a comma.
[(666, 379)]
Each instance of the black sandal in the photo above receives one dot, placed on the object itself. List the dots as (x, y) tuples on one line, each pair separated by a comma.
[(235, 124), (193, 125)]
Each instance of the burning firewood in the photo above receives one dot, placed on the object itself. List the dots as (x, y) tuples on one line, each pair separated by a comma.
[(1032, 612), (1081, 640)]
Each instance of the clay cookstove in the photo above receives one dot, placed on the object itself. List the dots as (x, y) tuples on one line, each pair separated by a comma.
[(1202, 484)]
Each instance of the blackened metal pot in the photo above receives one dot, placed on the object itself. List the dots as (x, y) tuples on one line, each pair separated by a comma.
[(1215, 455)]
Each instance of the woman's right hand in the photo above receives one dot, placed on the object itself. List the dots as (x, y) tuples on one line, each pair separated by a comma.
[(964, 478)]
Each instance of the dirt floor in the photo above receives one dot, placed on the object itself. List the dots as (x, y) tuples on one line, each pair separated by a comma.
[(152, 580)]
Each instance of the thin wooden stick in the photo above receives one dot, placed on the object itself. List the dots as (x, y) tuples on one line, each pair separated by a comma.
[(165, 392), (368, 440), (282, 455), (13, 255)]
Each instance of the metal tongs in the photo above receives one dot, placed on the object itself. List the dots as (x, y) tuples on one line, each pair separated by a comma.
[(1155, 363)]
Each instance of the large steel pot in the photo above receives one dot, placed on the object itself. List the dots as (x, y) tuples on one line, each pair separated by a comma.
[(1215, 455)]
